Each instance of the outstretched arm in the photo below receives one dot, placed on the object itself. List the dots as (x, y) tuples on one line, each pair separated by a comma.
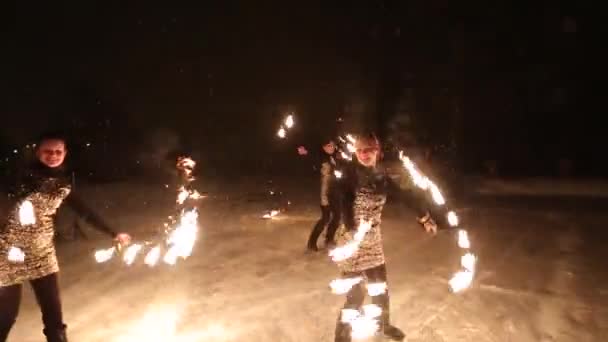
[(76, 203), (419, 200)]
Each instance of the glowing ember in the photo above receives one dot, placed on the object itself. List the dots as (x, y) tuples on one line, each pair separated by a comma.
[(131, 253), (452, 219), (152, 256), (289, 121), (271, 214), (342, 286), (463, 239), (104, 254), (16, 255), (26, 213), (282, 133)]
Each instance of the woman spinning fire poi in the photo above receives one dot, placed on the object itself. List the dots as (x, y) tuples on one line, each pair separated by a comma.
[(366, 185), (27, 251)]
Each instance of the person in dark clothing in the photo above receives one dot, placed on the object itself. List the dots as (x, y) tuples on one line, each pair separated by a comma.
[(365, 186), (329, 196), (27, 250)]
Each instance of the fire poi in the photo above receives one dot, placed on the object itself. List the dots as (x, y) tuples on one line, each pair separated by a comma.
[(180, 232)]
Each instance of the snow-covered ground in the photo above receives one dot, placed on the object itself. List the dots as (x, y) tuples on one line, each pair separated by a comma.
[(541, 274), (543, 187)]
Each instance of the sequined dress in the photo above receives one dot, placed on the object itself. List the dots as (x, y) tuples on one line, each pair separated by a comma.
[(365, 192), (46, 189)]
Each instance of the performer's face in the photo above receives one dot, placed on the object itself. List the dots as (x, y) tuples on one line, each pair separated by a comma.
[(367, 153), (329, 148), (52, 152)]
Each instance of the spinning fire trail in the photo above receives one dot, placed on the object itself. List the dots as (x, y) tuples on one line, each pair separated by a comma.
[(179, 234)]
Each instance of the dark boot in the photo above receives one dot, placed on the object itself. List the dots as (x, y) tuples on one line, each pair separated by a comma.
[(389, 331), (56, 335), (393, 333)]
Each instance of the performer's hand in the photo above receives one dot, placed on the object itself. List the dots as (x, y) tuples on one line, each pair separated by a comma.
[(430, 226), (302, 150), (123, 239), (428, 223)]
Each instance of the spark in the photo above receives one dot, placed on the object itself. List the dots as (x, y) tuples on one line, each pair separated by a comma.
[(338, 174), (468, 261), (16, 255), (26, 213)]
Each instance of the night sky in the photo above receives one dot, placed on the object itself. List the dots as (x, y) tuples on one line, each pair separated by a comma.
[(476, 81)]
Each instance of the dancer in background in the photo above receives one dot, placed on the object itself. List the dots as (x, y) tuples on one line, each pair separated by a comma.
[(27, 250), (329, 196)]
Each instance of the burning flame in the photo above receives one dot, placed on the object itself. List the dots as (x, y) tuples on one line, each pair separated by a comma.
[(452, 219), (342, 286), (463, 239), (289, 122), (16, 255), (182, 239), (104, 254), (461, 281), (376, 289), (131, 253), (350, 248), (282, 133), (26, 213), (271, 214), (364, 325), (152, 256)]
